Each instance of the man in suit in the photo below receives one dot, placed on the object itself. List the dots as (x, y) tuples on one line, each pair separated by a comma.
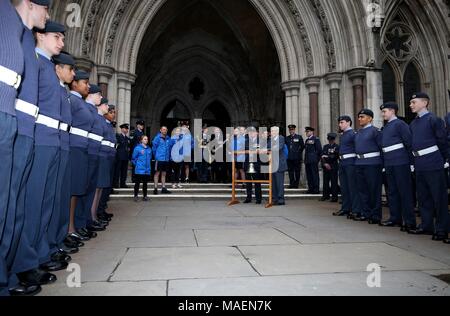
[(122, 157), (280, 164), (313, 153), (296, 146)]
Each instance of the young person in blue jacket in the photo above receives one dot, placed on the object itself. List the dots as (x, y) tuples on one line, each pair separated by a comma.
[(161, 147), (142, 157)]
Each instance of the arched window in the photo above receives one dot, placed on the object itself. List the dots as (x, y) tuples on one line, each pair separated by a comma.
[(411, 84), (389, 83)]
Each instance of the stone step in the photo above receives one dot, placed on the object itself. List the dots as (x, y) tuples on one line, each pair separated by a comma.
[(199, 196)]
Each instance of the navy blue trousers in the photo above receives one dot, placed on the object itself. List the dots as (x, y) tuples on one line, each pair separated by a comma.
[(39, 200), (278, 187), (61, 208), (103, 204), (83, 215), (400, 192), (433, 200), (349, 188), (370, 186), (23, 160), (313, 177), (9, 130)]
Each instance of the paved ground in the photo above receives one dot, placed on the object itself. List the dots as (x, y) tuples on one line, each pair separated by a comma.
[(202, 248)]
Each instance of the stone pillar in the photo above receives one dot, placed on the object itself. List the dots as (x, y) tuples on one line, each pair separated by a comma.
[(104, 74), (375, 94), (125, 81), (357, 76), (84, 64), (334, 81), (292, 91), (313, 84)]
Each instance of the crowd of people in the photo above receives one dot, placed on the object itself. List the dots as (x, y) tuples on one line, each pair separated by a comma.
[(61, 157)]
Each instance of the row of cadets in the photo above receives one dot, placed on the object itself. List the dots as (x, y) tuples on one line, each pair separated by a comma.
[(11, 70)]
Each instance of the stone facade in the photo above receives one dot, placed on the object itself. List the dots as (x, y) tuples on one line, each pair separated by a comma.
[(332, 56)]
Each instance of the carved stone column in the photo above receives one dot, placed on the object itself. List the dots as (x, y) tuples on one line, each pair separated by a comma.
[(125, 81), (334, 81), (357, 76), (104, 74), (313, 84), (292, 90)]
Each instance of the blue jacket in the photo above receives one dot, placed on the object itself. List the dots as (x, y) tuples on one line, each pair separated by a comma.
[(367, 141), (397, 132), (181, 147), (161, 148), (142, 158), (347, 147), (429, 131)]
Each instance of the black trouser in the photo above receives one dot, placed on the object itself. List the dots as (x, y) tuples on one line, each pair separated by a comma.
[(258, 190), (144, 179), (120, 176), (219, 171), (331, 177), (295, 168), (177, 171), (312, 174)]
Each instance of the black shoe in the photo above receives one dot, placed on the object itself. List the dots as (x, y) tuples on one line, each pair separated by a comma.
[(247, 201), (323, 199), (104, 218), (374, 222), (408, 229), (61, 257), (69, 250), (136, 199), (165, 191), (447, 241), (155, 192), (88, 233), (36, 277), (420, 231), (341, 213), (72, 242), (280, 204), (109, 215), (351, 216), (360, 218), (390, 224), (258, 202), (54, 266), (439, 237), (79, 237), (96, 227), (145, 199), (23, 290), (103, 223), (334, 200)]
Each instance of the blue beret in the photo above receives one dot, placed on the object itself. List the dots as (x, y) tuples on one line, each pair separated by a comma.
[(366, 112), (127, 126), (94, 89), (309, 129), (104, 101), (332, 136), (345, 118), (64, 59), (420, 95), (389, 105), (292, 126), (81, 75), (141, 122), (52, 27), (45, 3)]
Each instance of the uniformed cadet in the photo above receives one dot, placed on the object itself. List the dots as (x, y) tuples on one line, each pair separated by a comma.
[(252, 166), (103, 204), (330, 165), (59, 224), (396, 142), (296, 146), (32, 15), (32, 262), (123, 156), (279, 152), (369, 168), (313, 153), (431, 152), (347, 170), (104, 177), (84, 223), (11, 70), (82, 121)]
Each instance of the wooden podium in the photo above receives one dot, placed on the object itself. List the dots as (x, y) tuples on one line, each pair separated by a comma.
[(234, 200)]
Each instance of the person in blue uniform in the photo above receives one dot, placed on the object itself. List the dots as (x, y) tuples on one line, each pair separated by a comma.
[(369, 168), (32, 15), (135, 137), (59, 223), (32, 260), (11, 70), (123, 156), (82, 121), (396, 143), (279, 153), (313, 153), (296, 146), (111, 138), (347, 170), (103, 180), (431, 153), (84, 223), (161, 147), (330, 165), (142, 158)]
